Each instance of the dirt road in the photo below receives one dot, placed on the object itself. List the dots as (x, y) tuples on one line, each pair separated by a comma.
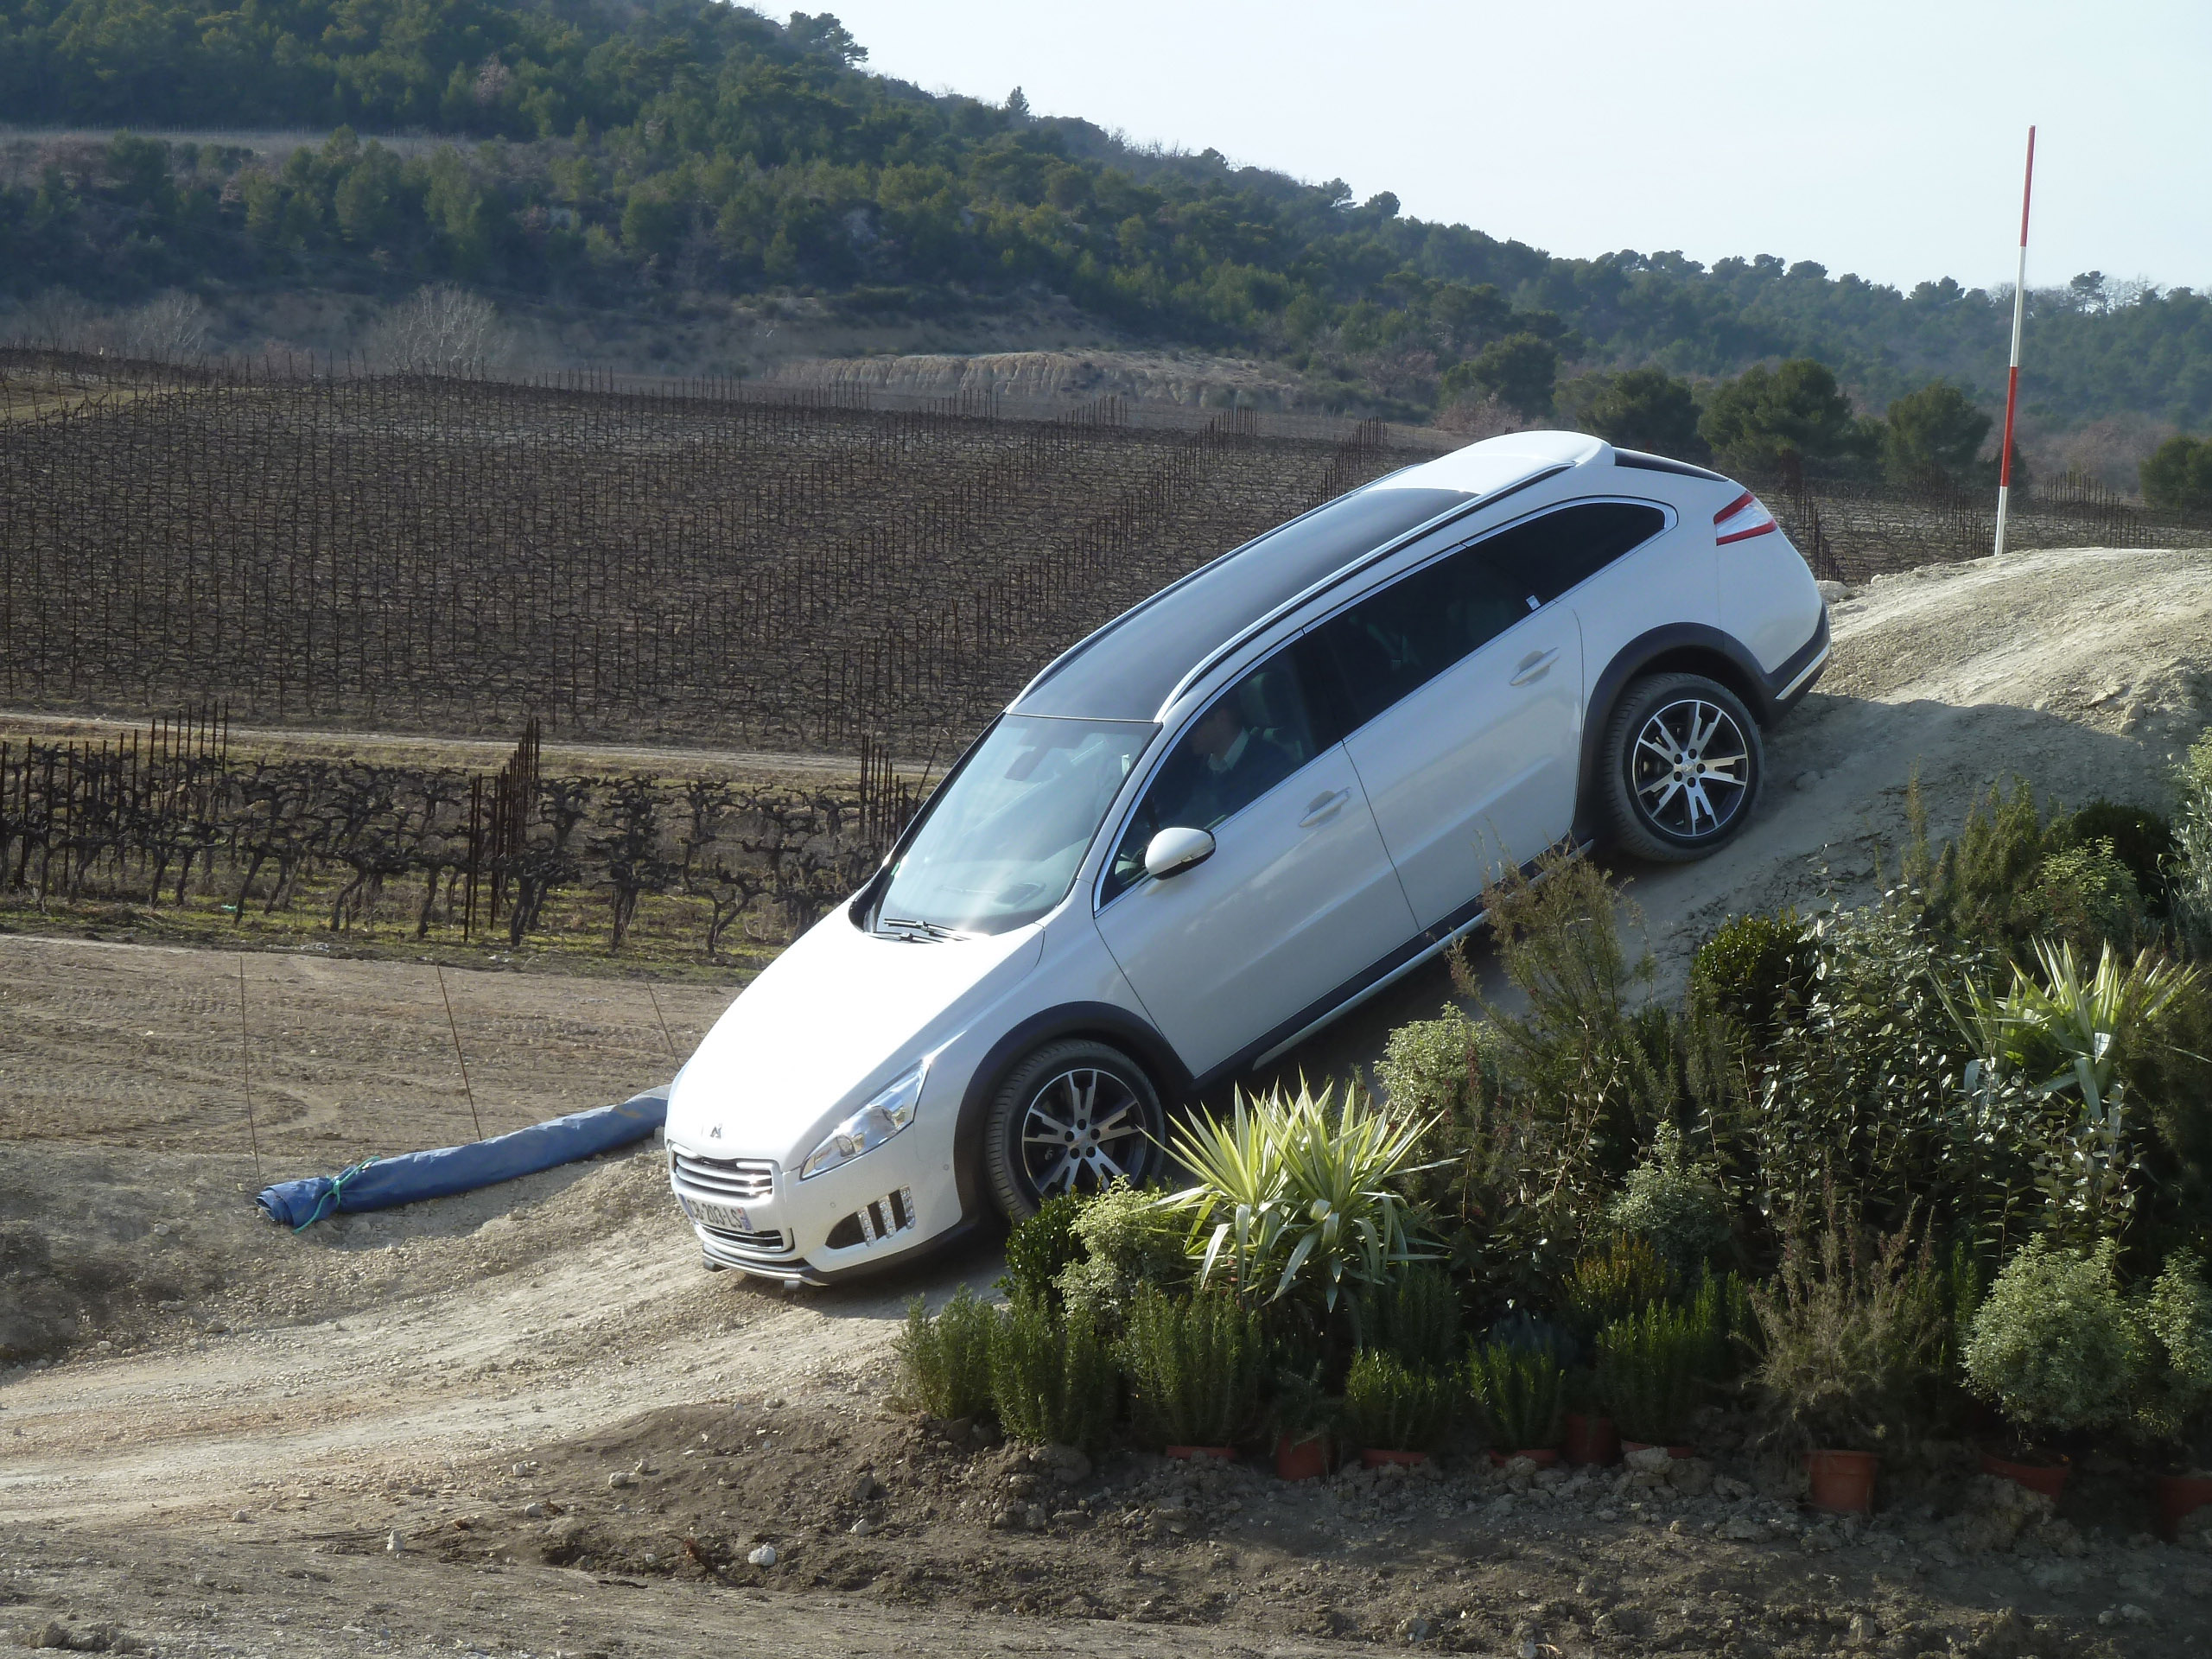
[(426, 1376)]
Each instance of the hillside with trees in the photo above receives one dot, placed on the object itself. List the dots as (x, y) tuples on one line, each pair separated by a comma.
[(619, 157)]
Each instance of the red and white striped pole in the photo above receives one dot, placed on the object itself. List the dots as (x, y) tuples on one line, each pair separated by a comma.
[(2012, 380)]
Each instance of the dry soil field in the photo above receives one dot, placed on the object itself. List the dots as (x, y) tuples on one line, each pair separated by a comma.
[(523, 1421)]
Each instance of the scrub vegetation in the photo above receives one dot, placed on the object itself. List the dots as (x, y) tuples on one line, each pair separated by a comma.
[(1879, 1180)]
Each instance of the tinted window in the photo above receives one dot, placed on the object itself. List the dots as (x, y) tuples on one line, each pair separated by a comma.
[(1390, 645), (1548, 556), (1249, 739)]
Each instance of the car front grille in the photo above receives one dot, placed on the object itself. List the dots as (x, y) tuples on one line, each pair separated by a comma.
[(741, 1180), (774, 1243)]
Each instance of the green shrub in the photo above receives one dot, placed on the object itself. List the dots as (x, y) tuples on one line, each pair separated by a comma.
[(2052, 1345), (1653, 1368), (1853, 1336), (1756, 969), (1433, 1068), (2141, 839), (945, 1363), (1521, 1394), (1053, 1378), (2189, 875), (1039, 1250), (1193, 1365), (1128, 1241), (2175, 1317), (1390, 1406), (1677, 1208), (1612, 1281), (1415, 1316), (2086, 896), (1979, 887)]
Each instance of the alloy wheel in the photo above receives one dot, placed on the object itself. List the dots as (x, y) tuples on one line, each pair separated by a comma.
[(1690, 769), (1084, 1129)]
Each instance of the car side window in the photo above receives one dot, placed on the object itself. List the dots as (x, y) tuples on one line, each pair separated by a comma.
[(1546, 556), (1248, 740), (1392, 642)]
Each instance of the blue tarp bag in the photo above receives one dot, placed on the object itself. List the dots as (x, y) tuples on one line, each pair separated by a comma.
[(380, 1183)]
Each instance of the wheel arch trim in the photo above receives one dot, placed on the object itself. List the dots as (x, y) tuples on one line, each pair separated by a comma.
[(1100, 1022), (1679, 647)]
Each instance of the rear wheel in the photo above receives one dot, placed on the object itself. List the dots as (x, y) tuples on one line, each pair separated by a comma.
[(1682, 767), (1072, 1117)]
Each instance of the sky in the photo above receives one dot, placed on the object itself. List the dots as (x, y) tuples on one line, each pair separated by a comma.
[(1878, 136)]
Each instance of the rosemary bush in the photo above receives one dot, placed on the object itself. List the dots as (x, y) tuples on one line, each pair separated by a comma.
[(2175, 1316), (945, 1362), (1391, 1406), (1052, 1379), (1521, 1394), (1415, 1316), (1194, 1365), (1653, 1368)]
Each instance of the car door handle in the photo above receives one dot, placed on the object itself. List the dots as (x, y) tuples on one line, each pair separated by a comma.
[(1323, 806), (1534, 666)]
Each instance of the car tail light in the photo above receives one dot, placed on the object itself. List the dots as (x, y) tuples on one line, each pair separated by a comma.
[(1741, 519)]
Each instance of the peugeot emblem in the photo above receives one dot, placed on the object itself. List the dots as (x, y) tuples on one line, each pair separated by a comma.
[(715, 1133)]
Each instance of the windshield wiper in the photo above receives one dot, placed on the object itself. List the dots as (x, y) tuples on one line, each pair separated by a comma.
[(918, 931)]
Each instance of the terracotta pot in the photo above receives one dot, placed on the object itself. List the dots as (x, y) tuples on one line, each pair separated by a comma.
[(1590, 1439), (2049, 1479), (1843, 1482), (1628, 1447), (1542, 1457), (2178, 1495), (1375, 1457), (1301, 1459), (1204, 1454)]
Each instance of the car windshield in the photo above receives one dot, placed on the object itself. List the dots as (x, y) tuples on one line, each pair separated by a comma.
[(1004, 839)]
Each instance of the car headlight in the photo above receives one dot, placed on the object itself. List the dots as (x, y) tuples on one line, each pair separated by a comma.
[(870, 1127)]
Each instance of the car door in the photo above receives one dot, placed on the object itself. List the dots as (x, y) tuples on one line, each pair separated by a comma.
[(1298, 895), (1462, 686)]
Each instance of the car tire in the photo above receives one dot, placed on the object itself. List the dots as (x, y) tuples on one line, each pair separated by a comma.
[(1682, 766), (1093, 1094)]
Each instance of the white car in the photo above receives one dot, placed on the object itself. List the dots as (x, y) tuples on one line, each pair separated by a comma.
[(1229, 816)]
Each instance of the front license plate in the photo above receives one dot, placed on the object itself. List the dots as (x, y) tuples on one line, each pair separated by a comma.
[(724, 1218)]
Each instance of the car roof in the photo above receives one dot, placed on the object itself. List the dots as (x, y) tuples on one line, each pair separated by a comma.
[(1131, 668)]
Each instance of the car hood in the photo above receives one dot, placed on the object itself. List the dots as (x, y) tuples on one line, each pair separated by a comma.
[(838, 1015)]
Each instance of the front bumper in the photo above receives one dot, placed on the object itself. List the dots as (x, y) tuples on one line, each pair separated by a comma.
[(755, 1214)]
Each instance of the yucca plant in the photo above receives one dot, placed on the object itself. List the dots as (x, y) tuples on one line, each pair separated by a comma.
[(1652, 1370), (1294, 1192), (1052, 1380), (945, 1362), (1194, 1365), (1520, 1392), (1391, 1406)]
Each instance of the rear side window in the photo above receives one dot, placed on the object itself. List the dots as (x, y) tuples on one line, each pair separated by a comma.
[(1548, 556), (1392, 642), (1248, 740)]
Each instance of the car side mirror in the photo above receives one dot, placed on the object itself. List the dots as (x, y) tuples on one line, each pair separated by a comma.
[(1173, 851)]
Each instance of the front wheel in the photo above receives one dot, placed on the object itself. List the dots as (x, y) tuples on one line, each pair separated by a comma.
[(1682, 767), (1073, 1117)]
